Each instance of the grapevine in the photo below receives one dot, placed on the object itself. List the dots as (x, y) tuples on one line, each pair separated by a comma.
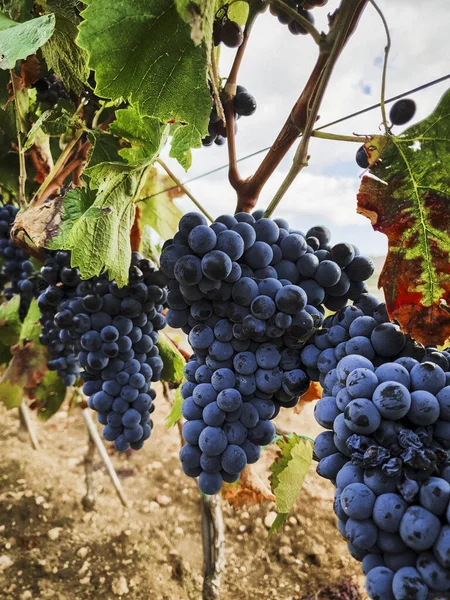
[(113, 299)]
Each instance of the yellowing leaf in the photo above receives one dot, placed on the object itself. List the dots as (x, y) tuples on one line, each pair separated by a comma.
[(10, 394)]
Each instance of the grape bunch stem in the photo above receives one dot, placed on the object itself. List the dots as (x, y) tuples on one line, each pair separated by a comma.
[(213, 536)]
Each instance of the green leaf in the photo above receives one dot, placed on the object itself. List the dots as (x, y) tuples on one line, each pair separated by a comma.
[(105, 148), (75, 204), (8, 131), (10, 324), (5, 354), (146, 135), (173, 370), (175, 414), (50, 394), (19, 40), (237, 11), (409, 201), (166, 79), (10, 394), (54, 121), (19, 10), (31, 327), (100, 238), (288, 474), (61, 52)]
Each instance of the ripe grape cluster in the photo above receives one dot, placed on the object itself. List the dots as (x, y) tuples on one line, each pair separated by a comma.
[(17, 273), (49, 90), (246, 291), (285, 19), (386, 409), (108, 335), (244, 105)]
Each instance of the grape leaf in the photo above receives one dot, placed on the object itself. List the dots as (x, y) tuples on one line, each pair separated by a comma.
[(146, 135), (165, 79), (50, 394), (105, 148), (288, 474), (31, 327), (52, 122), (27, 367), (409, 203), (100, 238), (61, 52), (10, 324), (19, 10), (173, 369), (73, 206), (175, 413), (19, 40), (237, 11), (10, 394)]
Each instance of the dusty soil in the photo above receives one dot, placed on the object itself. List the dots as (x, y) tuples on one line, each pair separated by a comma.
[(51, 548)]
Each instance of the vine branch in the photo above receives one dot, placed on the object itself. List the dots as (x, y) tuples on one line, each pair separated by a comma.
[(343, 25), (385, 63), (230, 92), (20, 125), (213, 538), (344, 21)]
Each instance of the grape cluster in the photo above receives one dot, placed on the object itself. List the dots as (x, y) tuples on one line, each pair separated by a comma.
[(49, 90), (244, 105), (386, 449), (363, 329), (61, 288), (285, 19), (243, 289), (108, 335), (17, 273)]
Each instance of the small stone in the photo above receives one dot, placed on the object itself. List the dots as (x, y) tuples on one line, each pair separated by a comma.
[(163, 500), (270, 519), (53, 534), (179, 531), (26, 595), (82, 552), (242, 528), (5, 562), (85, 581), (119, 586), (40, 500)]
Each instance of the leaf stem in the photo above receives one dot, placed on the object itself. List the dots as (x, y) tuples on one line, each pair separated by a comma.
[(215, 79), (291, 12), (339, 35), (385, 63), (336, 136), (230, 92), (58, 164), (21, 128), (184, 188)]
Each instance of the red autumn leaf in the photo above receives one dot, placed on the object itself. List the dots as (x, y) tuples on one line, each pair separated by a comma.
[(28, 366), (409, 201)]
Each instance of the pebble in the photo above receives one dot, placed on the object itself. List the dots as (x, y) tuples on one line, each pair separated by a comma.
[(119, 586), (5, 562), (82, 552), (163, 500), (26, 595), (270, 518), (53, 534)]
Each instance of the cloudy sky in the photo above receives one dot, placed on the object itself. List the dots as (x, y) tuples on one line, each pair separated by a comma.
[(275, 69)]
